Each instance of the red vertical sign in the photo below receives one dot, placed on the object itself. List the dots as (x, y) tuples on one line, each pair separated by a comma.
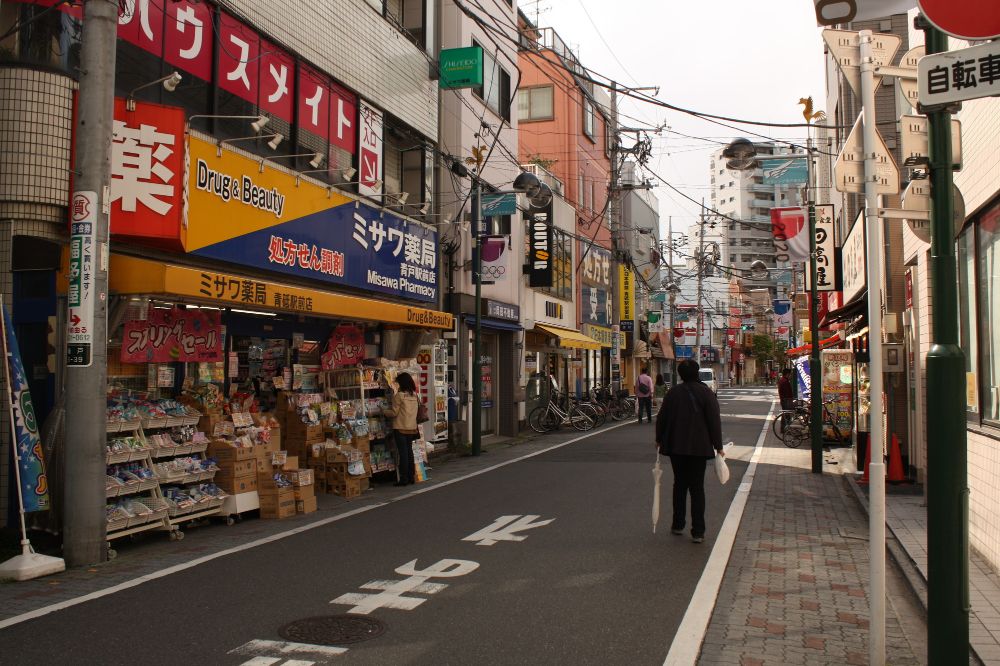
[(239, 48), (188, 39)]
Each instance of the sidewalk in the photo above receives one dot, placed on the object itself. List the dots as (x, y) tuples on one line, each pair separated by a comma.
[(151, 553), (795, 588)]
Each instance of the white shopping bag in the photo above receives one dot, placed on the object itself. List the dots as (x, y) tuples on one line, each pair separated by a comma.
[(721, 469)]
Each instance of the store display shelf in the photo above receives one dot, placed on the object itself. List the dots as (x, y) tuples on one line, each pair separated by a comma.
[(132, 488), (123, 426), (370, 386), (182, 449), (195, 509), (151, 520), (127, 456), (193, 477)]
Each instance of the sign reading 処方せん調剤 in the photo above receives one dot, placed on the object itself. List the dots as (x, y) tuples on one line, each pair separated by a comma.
[(265, 219)]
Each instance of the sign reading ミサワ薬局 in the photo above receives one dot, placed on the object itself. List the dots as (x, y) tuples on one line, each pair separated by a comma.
[(245, 216)]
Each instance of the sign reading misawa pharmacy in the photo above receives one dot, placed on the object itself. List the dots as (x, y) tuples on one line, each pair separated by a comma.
[(240, 214)]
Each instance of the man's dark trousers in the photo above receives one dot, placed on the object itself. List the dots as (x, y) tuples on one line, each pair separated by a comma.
[(689, 477), (646, 405)]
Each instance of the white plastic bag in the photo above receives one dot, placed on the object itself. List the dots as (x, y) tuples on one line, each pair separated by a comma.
[(721, 469)]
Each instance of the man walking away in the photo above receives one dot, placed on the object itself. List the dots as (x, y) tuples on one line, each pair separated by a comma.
[(689, 430), (644, 392), (785, 392)]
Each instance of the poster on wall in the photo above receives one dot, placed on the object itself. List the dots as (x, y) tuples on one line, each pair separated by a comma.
[(170, 335), (345, 348)]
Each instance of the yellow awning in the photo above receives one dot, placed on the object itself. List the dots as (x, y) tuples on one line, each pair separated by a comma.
[(569, 338), (129, 275)]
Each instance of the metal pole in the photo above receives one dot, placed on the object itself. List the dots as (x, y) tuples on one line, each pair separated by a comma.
[(86, 384), (701, 273), (672, 296), (477, 370), (815, 369), (876, 470), (948, 492)]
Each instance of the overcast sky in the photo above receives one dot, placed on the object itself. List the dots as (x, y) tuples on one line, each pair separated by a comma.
[(749, 59)]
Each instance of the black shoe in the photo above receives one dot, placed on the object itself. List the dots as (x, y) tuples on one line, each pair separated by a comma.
[(676, 531), (697, 539)]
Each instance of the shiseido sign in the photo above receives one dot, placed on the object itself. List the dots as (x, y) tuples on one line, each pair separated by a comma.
[(540, 249)]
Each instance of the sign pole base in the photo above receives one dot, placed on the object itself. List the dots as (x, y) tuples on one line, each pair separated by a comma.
[(30, 565)]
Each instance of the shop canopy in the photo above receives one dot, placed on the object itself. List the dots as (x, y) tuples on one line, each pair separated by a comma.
[(129, 275), (569, 338), (806, 349), (856, 308)]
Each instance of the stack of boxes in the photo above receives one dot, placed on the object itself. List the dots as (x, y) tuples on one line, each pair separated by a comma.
[(340, 469), (284, 489)]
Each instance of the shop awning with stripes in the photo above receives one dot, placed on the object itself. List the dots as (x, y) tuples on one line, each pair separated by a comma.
[(569, 338)]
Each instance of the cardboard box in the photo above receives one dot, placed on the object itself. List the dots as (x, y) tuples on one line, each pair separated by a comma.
[(300, 477), (365, 484), (277, 505), (274, 443), (306, 505), (296, 429), (207, 422), (362, 443), (237, 468), (349, 488), (290, 463), (234, 485), (303, 492), (267, 484), (226, 453)]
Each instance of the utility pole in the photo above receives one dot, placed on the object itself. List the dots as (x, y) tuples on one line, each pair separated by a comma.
[(672, 295), (477, 276), (947, 456), (701, 273), (815, 369), (614, 218), (86, 368), (876, 470)]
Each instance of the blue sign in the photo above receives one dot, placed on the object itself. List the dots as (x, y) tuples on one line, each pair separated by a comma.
[(354, 245), (785, 171), (498, 204), (594, 309), (683, 351)]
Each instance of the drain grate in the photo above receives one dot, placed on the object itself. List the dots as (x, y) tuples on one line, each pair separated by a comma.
[(333, 630)]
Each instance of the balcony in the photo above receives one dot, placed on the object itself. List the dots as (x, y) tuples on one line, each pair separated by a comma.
[(762, 203)]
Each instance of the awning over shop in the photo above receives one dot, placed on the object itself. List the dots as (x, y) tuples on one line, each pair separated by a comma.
[(855, 308), (495, 324), (129, 275), (823, 344), (569, 338)]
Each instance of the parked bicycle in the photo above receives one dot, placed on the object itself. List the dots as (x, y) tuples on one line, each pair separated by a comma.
[(551, 416), (792, 426), (619, 406)]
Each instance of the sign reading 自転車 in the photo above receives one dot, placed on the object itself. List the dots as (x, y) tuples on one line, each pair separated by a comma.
[(82, 248), (954, 76)]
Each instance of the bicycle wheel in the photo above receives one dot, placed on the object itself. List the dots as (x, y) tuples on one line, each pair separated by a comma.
[(580, 420), (616, 411), (535, 419), (796, 432), (590, 410), (780, 422)]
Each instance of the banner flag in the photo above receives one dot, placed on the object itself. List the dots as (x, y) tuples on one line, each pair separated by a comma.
[(28, 445), (791, 234)]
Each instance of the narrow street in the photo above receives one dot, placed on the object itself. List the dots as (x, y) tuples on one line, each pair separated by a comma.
[(582, 579)]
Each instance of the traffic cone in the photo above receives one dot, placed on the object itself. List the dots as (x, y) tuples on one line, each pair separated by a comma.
[(868, 461), (895, 472)]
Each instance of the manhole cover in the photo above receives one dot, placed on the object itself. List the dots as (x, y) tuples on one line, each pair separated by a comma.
[(332, 630)]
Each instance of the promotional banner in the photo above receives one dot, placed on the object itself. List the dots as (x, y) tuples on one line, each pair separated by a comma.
[(27, 444), (826, 260), (790, 228), (271, 221), (495, 255), (626, 297), (174, 335), (595, 306), (804, 379), (838, 382), (595, 278), (345, 348)]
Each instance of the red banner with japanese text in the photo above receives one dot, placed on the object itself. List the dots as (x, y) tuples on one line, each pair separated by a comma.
[(173, 335), (345, 348)]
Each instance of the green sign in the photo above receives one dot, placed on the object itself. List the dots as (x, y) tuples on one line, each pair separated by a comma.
[(658, 297), (499, 204), (461, 68)]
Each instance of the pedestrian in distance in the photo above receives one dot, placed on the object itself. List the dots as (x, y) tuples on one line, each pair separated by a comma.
[(404, 425), (689, 431), (659, 391), (644, 393), (786, 394)]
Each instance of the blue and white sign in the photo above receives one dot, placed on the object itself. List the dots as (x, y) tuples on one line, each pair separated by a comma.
[(494, 205), (785, 171)]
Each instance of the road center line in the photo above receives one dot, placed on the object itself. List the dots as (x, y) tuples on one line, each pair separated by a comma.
[(52, 608), (687, 642)]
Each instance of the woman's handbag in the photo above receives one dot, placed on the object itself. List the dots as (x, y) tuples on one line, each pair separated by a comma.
[(422, 416)]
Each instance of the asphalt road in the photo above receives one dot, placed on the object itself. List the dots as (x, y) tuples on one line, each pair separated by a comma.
[(593, 586)]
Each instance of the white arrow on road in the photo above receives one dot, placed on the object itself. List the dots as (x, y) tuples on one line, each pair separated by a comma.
[(504, 528), (268, 653)]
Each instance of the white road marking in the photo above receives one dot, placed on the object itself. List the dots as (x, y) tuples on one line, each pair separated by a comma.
[(744, 416), (391, 595), (687, 641), (263, 653), (503, 529), (190, 564)]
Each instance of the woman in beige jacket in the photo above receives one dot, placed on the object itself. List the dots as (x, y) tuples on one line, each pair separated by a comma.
[(404, 425)]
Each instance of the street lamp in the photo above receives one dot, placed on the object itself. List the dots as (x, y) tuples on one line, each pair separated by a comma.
[(539, 195), (742, 154)]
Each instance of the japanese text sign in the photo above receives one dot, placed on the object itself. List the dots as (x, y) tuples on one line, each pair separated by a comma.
[(853, 260), (954, 76), (826, 264), (370, 150), (147, 172), (188, 37), (345, 348), (267, 221), (82, 268), (461, 67), (173, 335), (626, 295), (239, 51)]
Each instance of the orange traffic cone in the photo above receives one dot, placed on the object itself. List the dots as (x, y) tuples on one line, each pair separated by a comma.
[(895, 472), (868, 461)]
